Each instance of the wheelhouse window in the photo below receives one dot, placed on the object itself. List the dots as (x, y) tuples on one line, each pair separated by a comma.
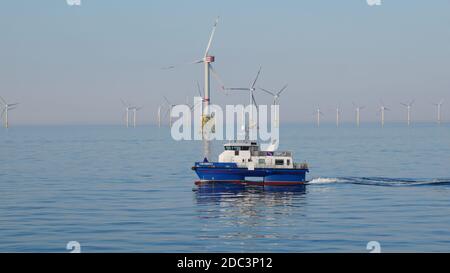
[(279, 162), (288, 162), (262, 161), (237, 148)]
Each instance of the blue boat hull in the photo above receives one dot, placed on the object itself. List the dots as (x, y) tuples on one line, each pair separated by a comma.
[(229, 173)]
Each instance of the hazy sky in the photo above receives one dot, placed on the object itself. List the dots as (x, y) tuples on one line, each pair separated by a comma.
[(73, 64)]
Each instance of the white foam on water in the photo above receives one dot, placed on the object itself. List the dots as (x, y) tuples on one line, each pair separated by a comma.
[(324, 180)]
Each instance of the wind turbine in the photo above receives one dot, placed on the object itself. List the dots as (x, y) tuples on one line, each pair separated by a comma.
[(382, 109), (128, 107), (358, 113), (318, 113), (207, 60), (338, 116), (251, 90), (159, 116), (439, 106), (408, 107), (276, 100), (169, 110), (135, 109), (7, 107)]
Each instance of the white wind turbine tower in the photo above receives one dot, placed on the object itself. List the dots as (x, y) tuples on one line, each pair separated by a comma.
[(439, 108), (408, 107), (382, 110), (276, 100), (135, 109), (169, 110), (207, 60), (338, 116), (159, 116), (7, 107), (358, 113), (251, 90), (318, 115), (128, 107)]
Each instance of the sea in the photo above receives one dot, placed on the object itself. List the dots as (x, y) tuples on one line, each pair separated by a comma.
[(116, 189)]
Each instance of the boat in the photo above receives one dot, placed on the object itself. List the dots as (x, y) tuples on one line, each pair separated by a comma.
[(244, 163)]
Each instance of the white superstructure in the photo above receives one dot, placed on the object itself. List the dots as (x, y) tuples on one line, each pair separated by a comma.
[(247, 154)]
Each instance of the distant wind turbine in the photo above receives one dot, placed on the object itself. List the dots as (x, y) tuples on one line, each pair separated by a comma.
[(135, 109), (169, 110), (276, 100), (439, 108), (318, 115), (159, 116), (128, 108), (338, 116), (382, 110), (408, 107), (358, 113), (251, 90), (207, 61), (7, 107)]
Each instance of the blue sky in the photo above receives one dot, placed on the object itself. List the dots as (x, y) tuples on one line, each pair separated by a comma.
[(72, 65)]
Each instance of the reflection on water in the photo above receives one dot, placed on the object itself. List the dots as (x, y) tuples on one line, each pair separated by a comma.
[(248, 195), (248, 212)]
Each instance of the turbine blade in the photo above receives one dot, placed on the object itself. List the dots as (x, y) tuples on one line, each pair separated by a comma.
[(267, 91), (167, 112), (3, 112), (198, 89), (282, 89), (124, 103), (3, 100), (197, 61), (256, 78), (196, 105), (211, 36), (167, 101), (238, 88), (254, 101), (168, 67), (217, 77), (175, 66), (404, 104)]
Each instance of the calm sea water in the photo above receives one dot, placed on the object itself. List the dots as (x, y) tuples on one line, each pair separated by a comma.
[(116, 189)]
